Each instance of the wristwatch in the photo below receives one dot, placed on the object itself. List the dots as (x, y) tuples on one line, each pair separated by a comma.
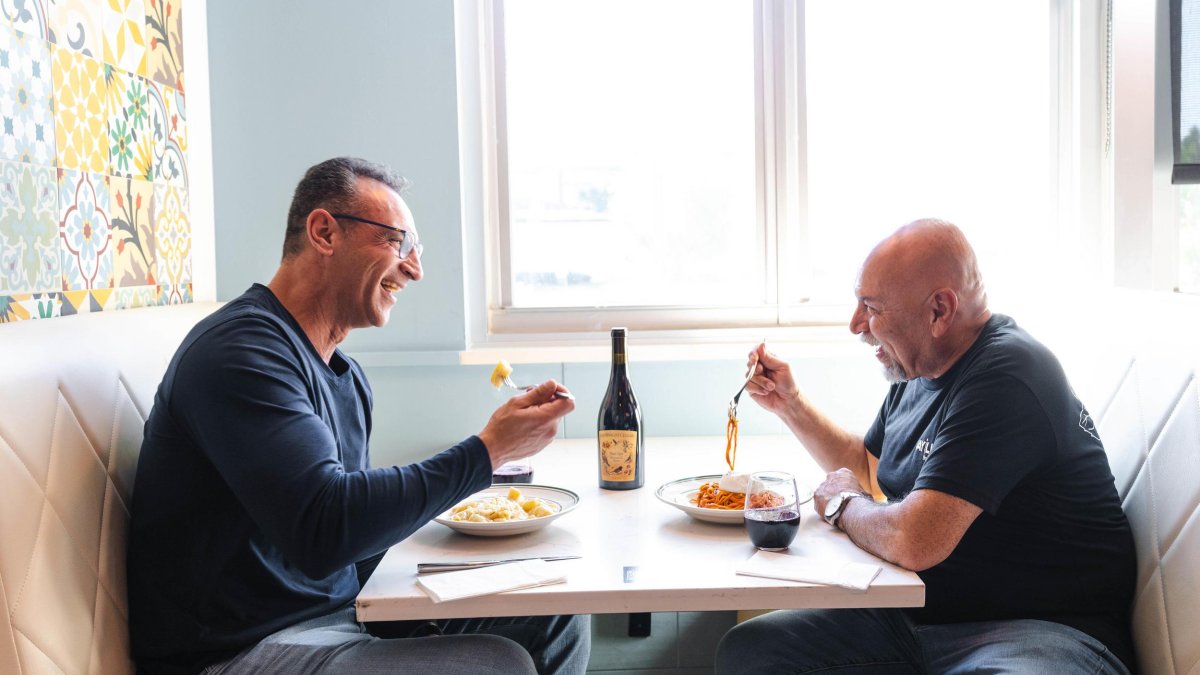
[(834, 507)]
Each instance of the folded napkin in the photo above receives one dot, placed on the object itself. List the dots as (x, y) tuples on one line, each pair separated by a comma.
[(856, 576), (495, 579)]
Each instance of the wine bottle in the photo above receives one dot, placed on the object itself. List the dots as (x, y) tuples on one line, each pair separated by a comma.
[(619, 433)]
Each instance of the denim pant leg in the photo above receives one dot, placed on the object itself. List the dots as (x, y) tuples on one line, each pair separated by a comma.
[(559, 645), (337, 643), (841, 641), (1024, 646)]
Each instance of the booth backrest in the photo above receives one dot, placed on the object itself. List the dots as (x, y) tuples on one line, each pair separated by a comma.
[(74, 395), (1148, 413)]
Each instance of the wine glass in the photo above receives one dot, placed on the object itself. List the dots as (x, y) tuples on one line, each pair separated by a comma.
[(518, 471), (772, 510)]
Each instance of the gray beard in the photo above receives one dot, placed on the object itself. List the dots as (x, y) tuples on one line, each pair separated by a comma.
[(894, 373)]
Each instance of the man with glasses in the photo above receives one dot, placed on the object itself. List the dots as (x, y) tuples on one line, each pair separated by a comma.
[(257, 515)]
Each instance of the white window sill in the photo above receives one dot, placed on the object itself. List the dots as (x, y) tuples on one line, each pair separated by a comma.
[(804, 343)]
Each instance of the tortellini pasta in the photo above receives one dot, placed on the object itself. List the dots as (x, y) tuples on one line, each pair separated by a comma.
[(513, 506)]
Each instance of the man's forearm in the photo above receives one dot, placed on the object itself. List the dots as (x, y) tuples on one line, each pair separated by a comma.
[(829, 444), (915, 533), (875, 528)]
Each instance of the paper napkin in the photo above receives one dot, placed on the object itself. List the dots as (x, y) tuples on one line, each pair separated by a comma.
[(486, 580), (856, 576)]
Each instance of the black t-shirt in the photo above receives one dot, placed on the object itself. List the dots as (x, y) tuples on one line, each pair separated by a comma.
[(1003, 430)]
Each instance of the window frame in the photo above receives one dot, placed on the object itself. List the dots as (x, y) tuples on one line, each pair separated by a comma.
[(1076, 197)]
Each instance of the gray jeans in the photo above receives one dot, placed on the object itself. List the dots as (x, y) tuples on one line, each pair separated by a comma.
[(886, 642), (337, 643)]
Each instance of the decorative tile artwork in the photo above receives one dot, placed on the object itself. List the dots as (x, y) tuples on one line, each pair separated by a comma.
[(93, 157)]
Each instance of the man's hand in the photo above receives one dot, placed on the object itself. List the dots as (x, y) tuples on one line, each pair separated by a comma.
[(525, 424), (916, 533), (773, 386), (835, 483)]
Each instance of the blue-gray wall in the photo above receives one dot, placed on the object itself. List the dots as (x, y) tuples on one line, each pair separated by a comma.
[(295, 82)]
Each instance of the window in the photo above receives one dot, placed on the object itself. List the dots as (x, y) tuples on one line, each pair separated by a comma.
[(630, 155), (1185, 89), (706, 164), (1187, 212)]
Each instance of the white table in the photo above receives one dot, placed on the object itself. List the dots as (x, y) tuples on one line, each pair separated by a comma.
[(638, 554)]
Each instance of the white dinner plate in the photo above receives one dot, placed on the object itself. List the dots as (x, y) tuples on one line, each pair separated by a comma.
[(561, 500), (681, 493)]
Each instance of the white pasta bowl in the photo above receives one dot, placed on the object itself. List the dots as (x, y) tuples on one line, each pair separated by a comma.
[(681, 494), (561, 501)]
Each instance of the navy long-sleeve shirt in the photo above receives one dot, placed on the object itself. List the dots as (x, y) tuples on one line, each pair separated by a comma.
[(254, 494)]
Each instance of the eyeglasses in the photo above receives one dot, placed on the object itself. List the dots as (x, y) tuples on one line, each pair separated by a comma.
[(408, 240)]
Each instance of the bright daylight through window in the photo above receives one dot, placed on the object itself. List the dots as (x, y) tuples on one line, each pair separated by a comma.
[(643, 166)]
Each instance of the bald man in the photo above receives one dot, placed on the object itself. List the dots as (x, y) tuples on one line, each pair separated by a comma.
[(979, 473)]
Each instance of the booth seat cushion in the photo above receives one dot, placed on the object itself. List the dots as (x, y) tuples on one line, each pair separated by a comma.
[(1147, 408), (74, 396), (75, 393)]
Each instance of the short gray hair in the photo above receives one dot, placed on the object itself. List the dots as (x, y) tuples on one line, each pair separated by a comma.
[(332, 185)]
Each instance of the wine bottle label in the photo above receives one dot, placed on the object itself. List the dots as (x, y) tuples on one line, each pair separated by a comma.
[(618, 455), (619, 358)]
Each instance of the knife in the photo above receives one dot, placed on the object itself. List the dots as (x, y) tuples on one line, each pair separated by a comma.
[(434, 567)]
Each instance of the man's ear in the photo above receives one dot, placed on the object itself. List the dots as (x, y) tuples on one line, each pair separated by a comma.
[(943, 305), (322, 228)]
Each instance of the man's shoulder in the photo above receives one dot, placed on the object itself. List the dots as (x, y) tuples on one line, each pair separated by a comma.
[(1011, 363), (248, 310), (1006, 346), (246, 321)]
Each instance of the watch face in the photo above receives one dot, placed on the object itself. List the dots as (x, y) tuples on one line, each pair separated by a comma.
[(832, 506)]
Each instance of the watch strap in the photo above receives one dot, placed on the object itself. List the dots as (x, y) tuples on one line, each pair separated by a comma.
[(846, 496)]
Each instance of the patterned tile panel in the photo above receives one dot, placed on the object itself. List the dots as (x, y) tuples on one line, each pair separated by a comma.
[(27, 306), (76, 25), (93, 157), (132, 232), (130, 146), (84, 302), (172, 238), (133, 297), (28, 228), (124, 26), (27, 16), (27, 111), (85, 230), (168, 133), (80, 127), (164, 31)]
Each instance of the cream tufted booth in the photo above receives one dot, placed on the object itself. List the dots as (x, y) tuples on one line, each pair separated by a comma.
[(75, 392), (1148, 412), (74, 395)]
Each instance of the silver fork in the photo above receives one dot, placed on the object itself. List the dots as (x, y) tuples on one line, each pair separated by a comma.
[(733, 402), (561, 394)]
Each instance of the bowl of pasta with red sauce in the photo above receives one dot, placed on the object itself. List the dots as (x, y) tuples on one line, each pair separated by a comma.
[(703, 498)]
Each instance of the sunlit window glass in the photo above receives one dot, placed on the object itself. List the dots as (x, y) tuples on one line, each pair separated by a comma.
[(931, 108), (630, 140)]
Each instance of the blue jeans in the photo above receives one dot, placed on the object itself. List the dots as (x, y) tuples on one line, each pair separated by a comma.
[(878, 641), (337, 643)]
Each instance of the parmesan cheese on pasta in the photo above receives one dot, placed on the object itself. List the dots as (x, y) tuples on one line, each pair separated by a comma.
[(500, 509)]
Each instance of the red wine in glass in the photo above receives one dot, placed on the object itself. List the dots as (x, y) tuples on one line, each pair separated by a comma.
[(772, 530), (513, 473)]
